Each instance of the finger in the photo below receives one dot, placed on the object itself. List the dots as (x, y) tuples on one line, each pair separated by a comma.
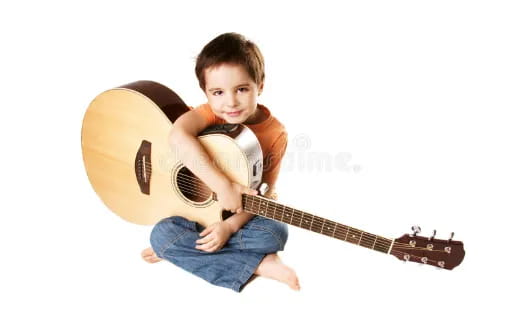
[(214, 248), (239, 210), (207, 246), (206, 239), (206, 231)]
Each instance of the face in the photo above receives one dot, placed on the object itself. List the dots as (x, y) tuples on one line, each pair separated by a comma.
[(231, 93)]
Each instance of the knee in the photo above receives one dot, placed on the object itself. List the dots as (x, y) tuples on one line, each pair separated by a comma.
[(279, 232), (162, 234), (283, 234)]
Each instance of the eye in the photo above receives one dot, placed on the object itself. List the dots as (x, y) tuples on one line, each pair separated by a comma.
[(216, 93), (243, 89)]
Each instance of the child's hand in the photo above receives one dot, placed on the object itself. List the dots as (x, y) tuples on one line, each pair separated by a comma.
[(214, 236), (230, 197)]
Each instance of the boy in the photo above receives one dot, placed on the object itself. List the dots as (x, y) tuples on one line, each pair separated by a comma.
[(230, 70)]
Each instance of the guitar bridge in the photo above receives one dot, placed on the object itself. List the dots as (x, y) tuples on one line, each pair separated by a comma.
[(143, 166)]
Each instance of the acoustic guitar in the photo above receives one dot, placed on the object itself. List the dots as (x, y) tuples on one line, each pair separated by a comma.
[(137, 174)]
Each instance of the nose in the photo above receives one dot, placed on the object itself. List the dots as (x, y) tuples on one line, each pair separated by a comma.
[(231, 100)]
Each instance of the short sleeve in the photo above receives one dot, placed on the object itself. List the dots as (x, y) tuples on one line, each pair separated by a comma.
[(273, 163), (205, 111)]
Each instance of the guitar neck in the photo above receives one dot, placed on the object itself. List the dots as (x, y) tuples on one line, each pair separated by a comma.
[(268, 208)]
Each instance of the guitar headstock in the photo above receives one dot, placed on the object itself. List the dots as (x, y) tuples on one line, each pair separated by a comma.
[(446, 254)]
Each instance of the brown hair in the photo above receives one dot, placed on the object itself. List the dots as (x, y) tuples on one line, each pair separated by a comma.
[(230, 48)]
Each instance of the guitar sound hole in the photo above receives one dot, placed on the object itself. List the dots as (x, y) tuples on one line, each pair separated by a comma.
[(191, 187)]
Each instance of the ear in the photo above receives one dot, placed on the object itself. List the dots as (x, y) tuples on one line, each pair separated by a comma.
[(260, 88)]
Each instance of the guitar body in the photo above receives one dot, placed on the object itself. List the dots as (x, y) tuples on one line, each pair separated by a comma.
[(138, 175)]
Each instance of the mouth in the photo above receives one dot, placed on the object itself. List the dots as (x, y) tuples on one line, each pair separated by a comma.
[(234, 113)]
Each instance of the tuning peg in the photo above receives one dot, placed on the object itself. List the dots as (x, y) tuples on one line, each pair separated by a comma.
[(433, 235), (416, 229), (451, 237)]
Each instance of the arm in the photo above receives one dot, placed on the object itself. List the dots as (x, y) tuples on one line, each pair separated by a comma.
[(238, 220), (272, 165), (183, 136)]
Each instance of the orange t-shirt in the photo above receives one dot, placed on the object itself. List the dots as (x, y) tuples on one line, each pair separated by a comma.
[(271, 135)]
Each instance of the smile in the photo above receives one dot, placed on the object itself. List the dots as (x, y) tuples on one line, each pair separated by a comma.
[(234, 113)]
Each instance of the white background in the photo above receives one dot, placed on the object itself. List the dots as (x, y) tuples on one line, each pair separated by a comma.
[(421, 95)]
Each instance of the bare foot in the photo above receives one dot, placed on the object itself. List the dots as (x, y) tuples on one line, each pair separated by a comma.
[(149, 256), (273, 267)]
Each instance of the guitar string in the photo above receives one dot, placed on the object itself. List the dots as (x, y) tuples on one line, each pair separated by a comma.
[(368, 242), (187, 182), (373, 243), (200, 187), (205, 191), (364, 234), (188, 191), (207, 194)]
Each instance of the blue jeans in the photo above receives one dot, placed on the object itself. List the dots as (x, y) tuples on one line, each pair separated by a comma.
[(173, 239)]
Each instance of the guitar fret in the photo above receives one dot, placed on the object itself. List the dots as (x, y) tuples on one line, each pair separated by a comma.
[(364, 242), (277, 213), (293, 220), (328, 228), (262, 208), (306, 220), (274, 210), (246, 206), (340, 232), (354, 235), (373, 246), (283, 213), (286, 215), (318, 220), (297, 220), (253, 205), (258, 202), (268, 208), (314, 225), (385, 247), (367, 240)]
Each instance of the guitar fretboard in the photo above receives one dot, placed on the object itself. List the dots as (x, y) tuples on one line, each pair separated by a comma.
[(273, 210)]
